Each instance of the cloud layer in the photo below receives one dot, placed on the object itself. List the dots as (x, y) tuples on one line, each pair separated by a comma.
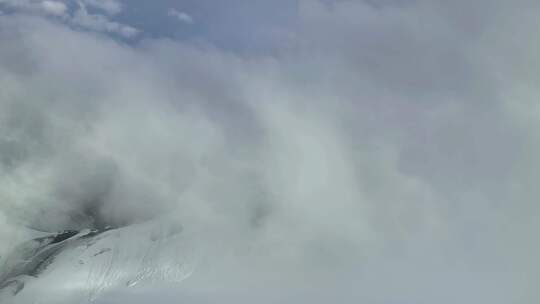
[(75, 13), (387, 153)]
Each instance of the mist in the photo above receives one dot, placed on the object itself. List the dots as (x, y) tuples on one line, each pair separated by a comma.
[(382, 152)]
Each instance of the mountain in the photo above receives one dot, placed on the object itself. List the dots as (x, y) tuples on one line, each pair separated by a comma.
[(77, 266)]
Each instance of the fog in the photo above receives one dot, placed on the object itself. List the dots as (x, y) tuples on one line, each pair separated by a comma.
[(383, 152)]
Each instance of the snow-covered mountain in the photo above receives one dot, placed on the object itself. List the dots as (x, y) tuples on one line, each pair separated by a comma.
[(77, 266)]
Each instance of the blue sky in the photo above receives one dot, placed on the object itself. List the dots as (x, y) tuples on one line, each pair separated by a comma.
[(238, 25), (232, 24)]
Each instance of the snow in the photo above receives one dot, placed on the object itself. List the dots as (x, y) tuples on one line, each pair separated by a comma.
[(81, 268)]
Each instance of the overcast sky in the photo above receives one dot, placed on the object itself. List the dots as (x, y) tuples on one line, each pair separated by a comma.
[(343, 151)]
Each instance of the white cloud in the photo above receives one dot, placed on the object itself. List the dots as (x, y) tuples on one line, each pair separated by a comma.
[(80, 17), (47, 7), (54, 8), (376, 160), (180, 16), (101, 23)]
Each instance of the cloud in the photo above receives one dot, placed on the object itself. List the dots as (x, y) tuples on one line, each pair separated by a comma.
[(101, 23), (54, 7), (376, 159), (180, 16), (79, 17)]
